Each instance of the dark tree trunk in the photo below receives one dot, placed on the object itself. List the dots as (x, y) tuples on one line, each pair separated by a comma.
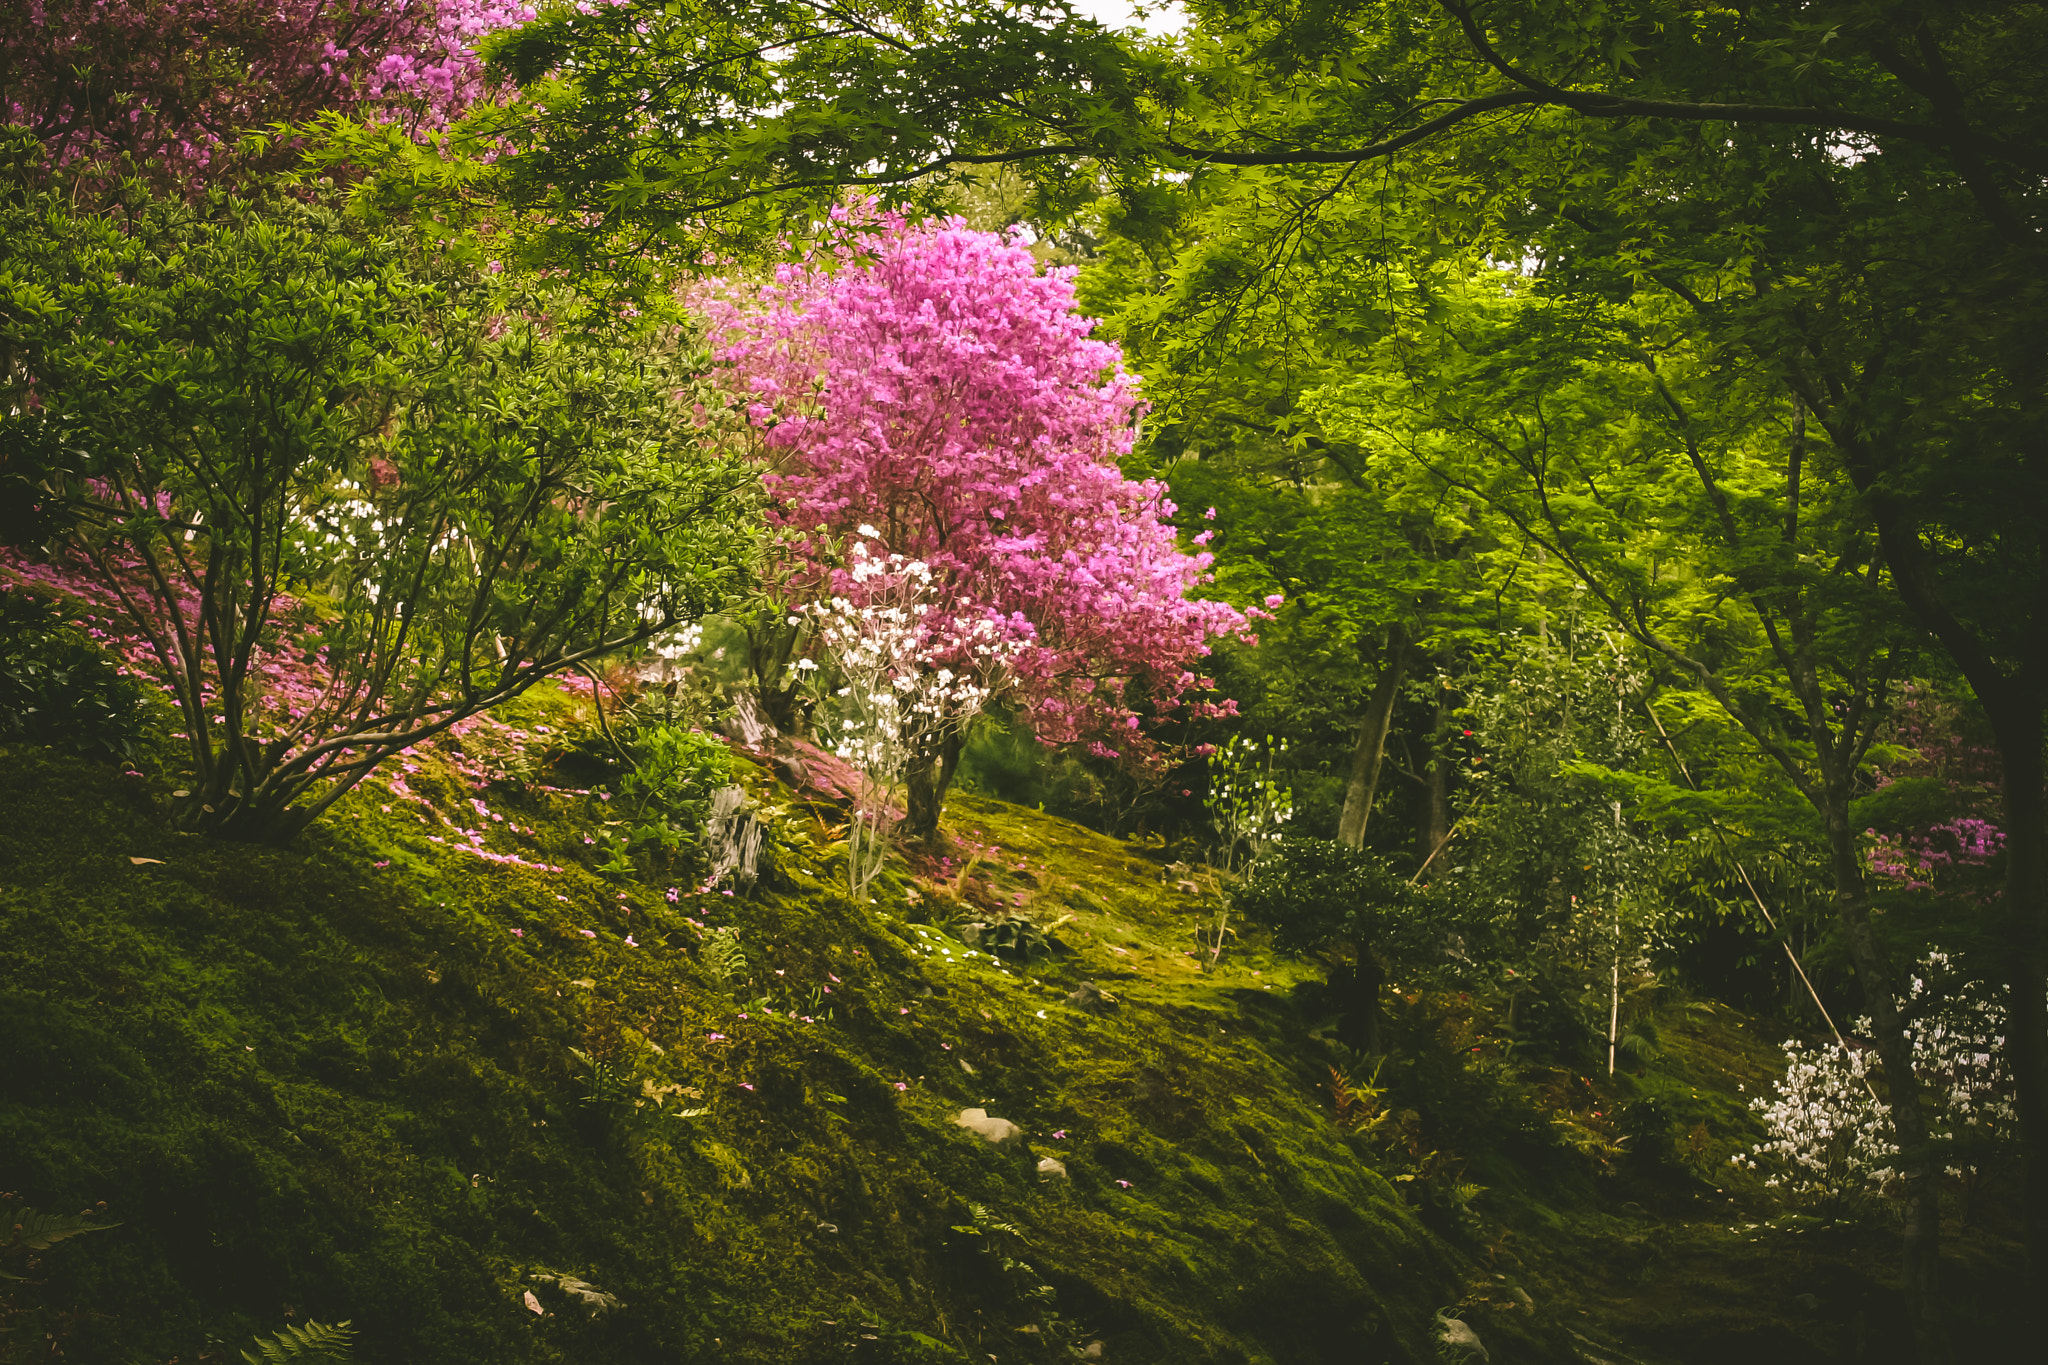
[(2006, 666), (1357, 986), (1922, 1196), (2026, 909), (770, 649), (929, 775), (1371, 746), (1433, 808)]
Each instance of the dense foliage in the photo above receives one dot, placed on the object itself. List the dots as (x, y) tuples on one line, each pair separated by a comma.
[(173, 86), (1524, 515), (346, 498)]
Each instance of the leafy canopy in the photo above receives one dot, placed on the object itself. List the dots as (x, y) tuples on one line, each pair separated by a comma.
[(349, 495)]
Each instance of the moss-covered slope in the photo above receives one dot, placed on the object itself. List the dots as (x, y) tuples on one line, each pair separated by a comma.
[(343, 1081), (431, 1072)]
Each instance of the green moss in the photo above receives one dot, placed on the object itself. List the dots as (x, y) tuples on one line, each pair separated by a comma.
[(337, 1081), (380, 1078)]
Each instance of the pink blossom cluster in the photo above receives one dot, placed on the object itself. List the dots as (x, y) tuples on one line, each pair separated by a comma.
[(1951, 856), (933, 382), (176, 82), (1916, 857)]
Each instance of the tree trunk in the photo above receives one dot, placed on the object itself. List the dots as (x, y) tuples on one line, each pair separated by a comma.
[(1433, 819), (2026, 910), (925, 782), (1371, 747), (1357, 990), (1922, 1196), (770, 648)]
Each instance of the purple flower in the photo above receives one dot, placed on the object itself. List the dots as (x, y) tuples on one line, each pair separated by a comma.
[(588, 933)]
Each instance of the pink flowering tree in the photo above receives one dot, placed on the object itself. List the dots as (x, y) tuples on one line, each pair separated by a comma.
[(175, 83), (932, 384)]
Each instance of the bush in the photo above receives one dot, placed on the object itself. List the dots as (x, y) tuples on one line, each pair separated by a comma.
[(350, 490), (664, 799), (58, 688), (1319, 896)]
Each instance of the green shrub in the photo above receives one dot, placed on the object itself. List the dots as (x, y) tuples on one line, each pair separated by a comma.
[(664, 798), (58, 688)]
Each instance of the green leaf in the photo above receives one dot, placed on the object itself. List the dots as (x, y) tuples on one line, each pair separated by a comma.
[(313, 1341), (39, 1231)]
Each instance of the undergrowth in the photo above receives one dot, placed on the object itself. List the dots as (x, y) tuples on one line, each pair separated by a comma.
[(451, 1072)]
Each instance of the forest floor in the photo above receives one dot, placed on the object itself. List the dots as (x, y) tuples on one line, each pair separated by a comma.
[(432, 1071)]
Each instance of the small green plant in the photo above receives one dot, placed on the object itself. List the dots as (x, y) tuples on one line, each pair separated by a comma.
[(1356, 1106), (604, 1084), (724, 958), (36, 1231), (312, 1341), (664, 798)]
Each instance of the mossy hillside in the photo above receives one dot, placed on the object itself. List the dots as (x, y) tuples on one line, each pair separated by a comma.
[(333, 1082)]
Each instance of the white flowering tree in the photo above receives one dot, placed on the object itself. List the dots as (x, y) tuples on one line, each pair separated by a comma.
[(1830, 1142), (908, 674), (1249, 803)]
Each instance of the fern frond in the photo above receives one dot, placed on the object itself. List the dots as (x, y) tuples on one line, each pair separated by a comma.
[(39, 1231), (723, 954), (312, 1341)]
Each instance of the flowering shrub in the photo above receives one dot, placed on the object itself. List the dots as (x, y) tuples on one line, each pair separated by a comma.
[(154, 79), (1830, 1142), (911, 673), (1248, 804), (929, 381), (345, 507), (1915, 858)]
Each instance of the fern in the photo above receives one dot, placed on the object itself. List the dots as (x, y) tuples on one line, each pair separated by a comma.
[(37, 1231), (314, 1341), (723, 954), (1356, 1107)]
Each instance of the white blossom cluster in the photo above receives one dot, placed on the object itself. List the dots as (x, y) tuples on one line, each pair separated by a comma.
[(1831, 1137), (1249, 805), (348, 529), (911, 669), (672, 645)]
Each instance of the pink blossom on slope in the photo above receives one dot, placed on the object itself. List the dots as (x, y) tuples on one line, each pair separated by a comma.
[(928, 381)]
